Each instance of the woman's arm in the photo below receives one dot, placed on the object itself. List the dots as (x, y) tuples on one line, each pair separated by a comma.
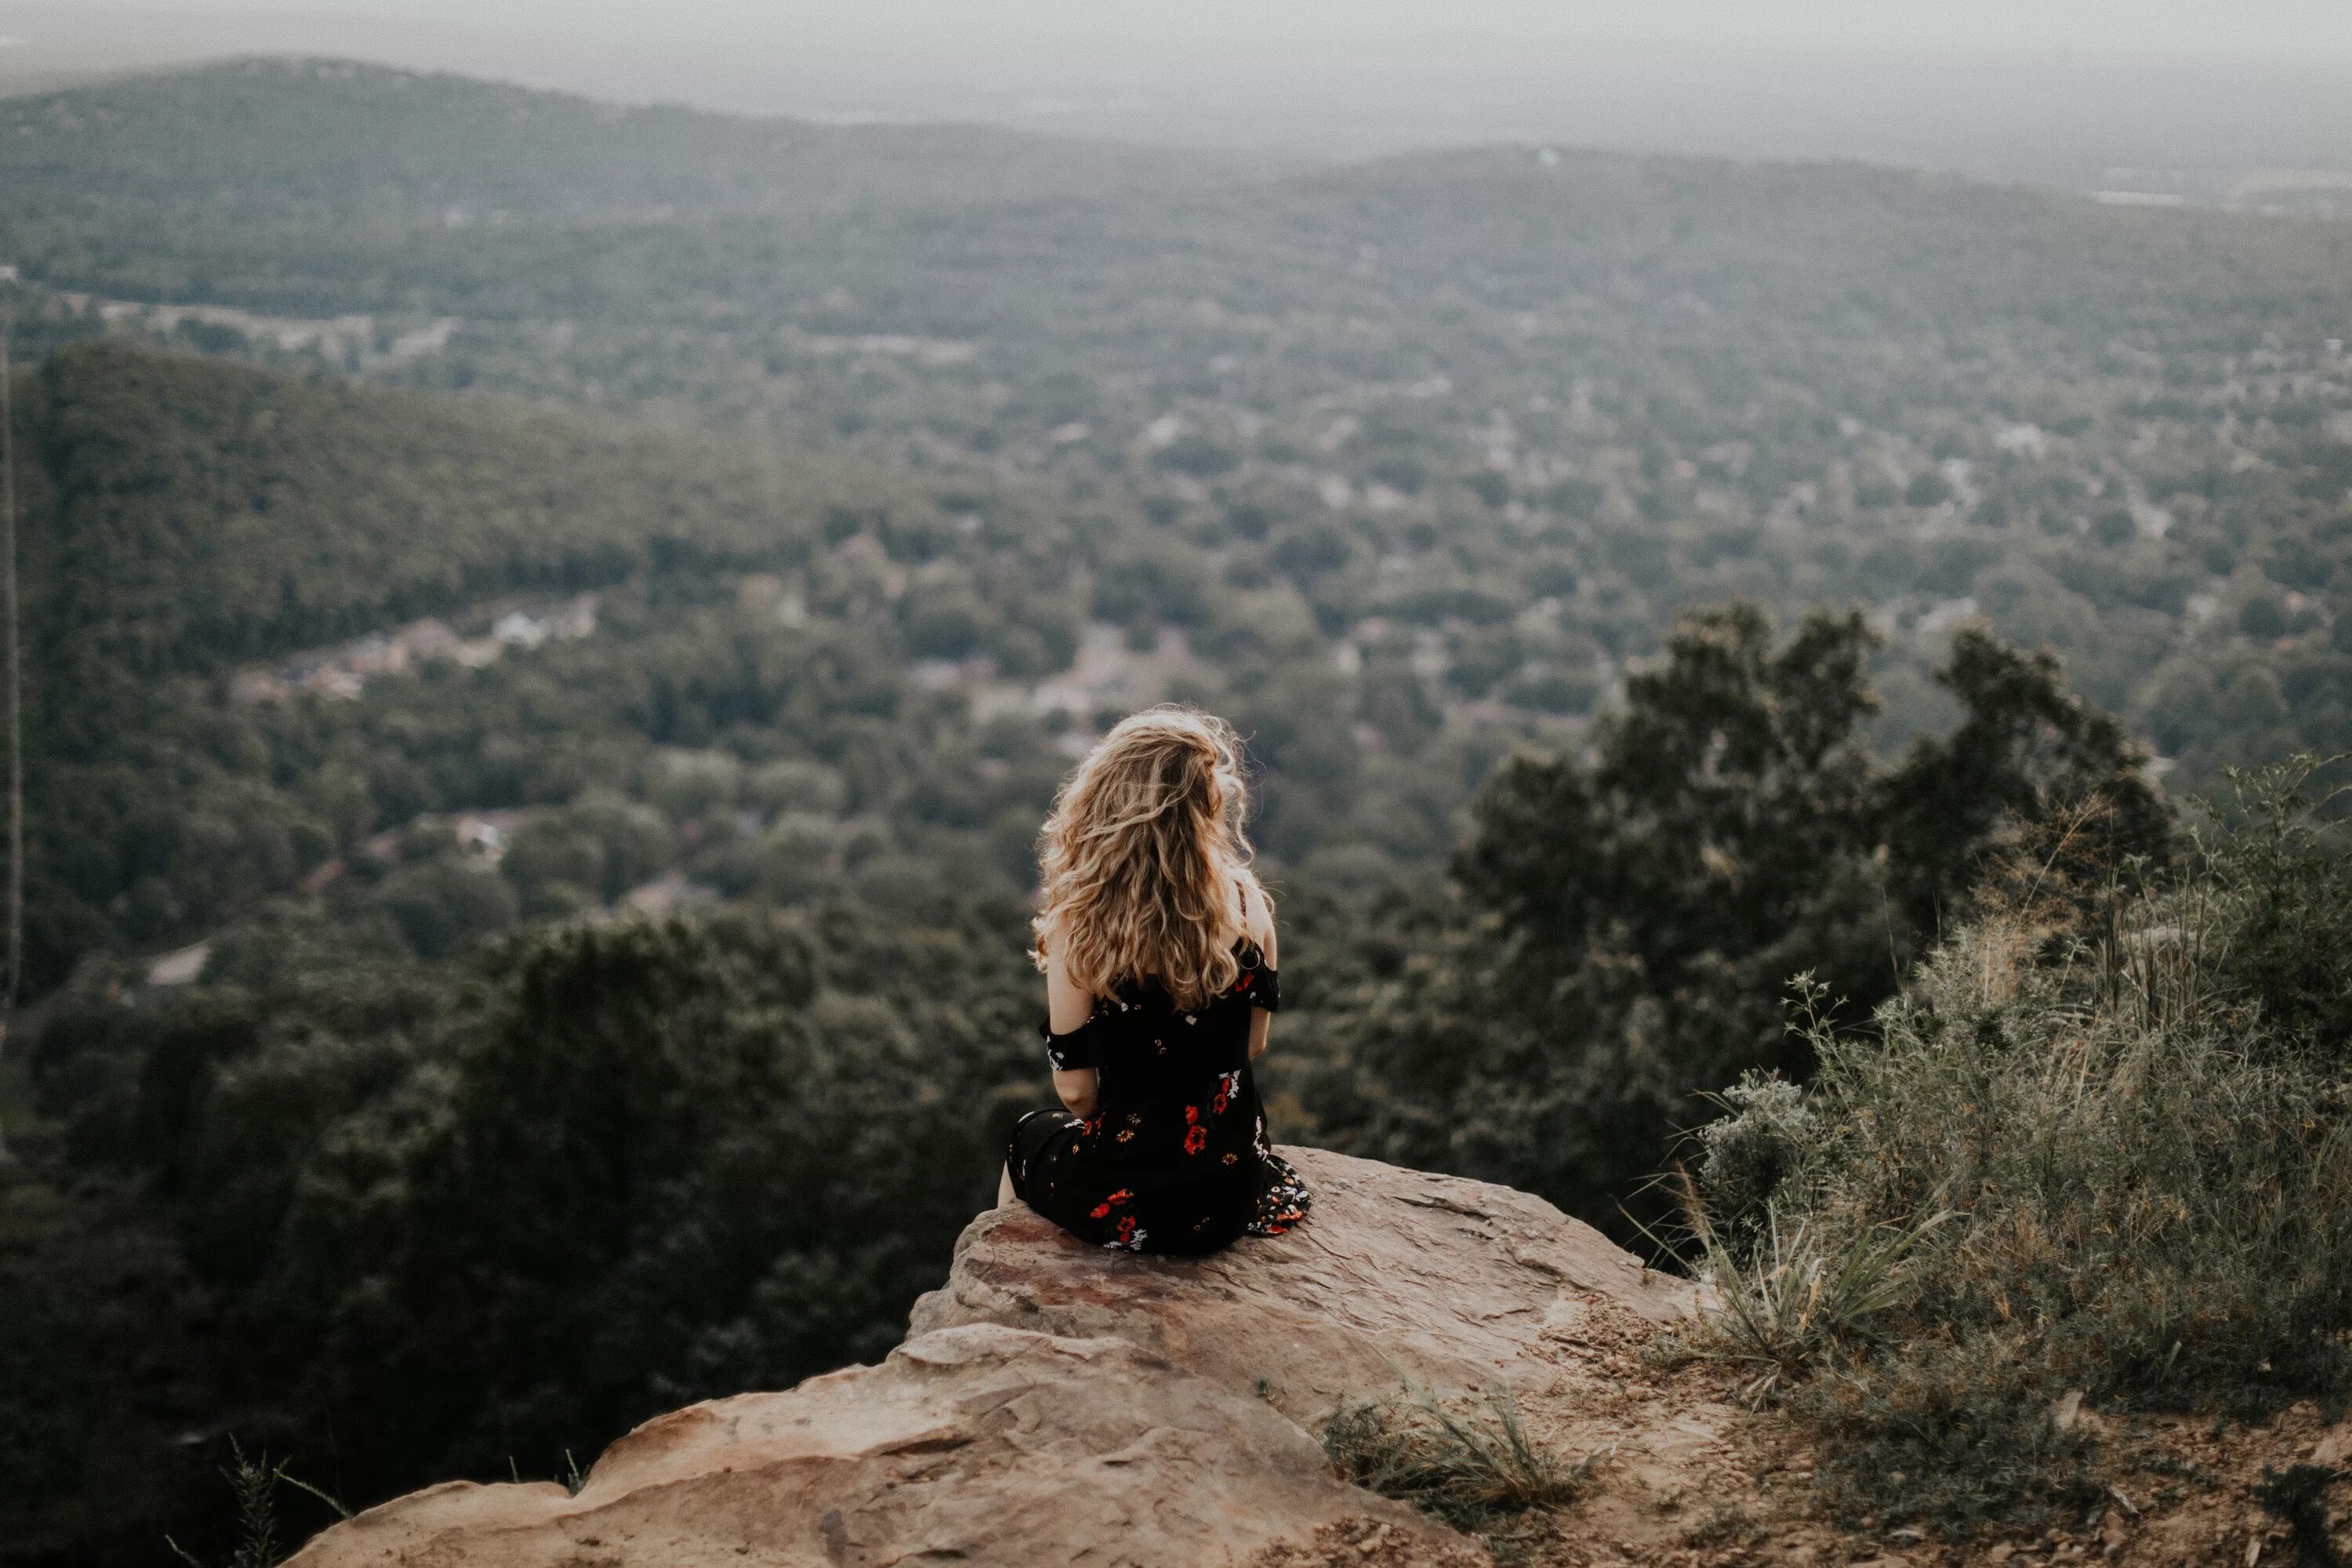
[(1077, 1090), (1260, 921), (1067, 1007)]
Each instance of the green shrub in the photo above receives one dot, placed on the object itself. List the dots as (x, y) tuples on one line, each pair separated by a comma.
[(2133, 1102), (2299, 1496), (2289, 887), (1804, 1294), (1745, 1155)]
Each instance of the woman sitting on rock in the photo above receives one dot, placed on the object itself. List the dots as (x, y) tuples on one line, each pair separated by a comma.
[(1158, 946)]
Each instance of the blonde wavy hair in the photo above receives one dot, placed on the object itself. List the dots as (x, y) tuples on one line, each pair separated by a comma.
[(1147, 874)]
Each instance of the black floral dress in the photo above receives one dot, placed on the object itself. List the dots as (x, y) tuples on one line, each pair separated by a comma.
[(1175, 1158)]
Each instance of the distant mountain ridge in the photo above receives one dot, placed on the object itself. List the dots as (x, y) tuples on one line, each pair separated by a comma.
[(376, 145)]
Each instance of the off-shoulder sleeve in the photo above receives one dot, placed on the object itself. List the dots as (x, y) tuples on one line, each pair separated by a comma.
[(1260, 986), (1081, 1047)]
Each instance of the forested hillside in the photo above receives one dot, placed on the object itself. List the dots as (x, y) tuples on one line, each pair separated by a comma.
[(265, 643), (269, 180), (1515, 404), (182, 518)]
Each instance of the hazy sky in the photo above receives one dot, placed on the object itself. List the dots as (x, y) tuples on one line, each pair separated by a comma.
[(2044, 89), (1104, 32)]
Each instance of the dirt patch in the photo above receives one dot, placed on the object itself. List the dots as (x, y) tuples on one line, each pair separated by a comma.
[(1682, 1472)]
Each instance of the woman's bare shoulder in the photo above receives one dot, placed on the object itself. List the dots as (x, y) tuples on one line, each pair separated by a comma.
[(1067, 1003)]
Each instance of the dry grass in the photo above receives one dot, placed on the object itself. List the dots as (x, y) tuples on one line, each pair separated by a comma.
[(1803, 1295), (1471, 1465), (2103, 1142)]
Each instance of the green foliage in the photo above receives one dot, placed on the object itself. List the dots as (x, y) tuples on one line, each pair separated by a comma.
[(1630, 916), (701, 1142), (97, 1371), (1949, 1438), (2284, 872), (741, 718), (1765, 1134), (271, 172), (441, 903), (183, 516), (1672, 380), (2298, 1495), (723, 1155), (1799, 1299), (2113, 1092)]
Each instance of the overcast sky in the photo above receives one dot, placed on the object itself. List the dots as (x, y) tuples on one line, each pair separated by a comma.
[(1061, 33), (2030, 88)]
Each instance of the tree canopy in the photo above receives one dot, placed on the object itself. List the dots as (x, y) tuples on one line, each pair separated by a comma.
[(1630, 916)]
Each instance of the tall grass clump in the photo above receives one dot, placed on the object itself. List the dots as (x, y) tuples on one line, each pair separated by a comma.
[(2102, 1142), (1472, 1466)]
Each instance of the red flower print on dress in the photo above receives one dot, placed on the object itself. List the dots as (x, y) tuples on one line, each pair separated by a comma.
[(1228, 1085), (1196, 1137)]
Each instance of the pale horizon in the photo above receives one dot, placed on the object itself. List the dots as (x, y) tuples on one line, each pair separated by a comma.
[(2070, 94)]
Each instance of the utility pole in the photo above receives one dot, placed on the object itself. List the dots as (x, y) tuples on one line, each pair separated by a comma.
[(15, 690)]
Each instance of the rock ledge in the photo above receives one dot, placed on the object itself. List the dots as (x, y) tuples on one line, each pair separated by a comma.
[(1054, 1403)]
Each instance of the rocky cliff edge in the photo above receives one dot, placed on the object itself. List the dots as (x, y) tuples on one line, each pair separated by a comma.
[(1054, 1403)]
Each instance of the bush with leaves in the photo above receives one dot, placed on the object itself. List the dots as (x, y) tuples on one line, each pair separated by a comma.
[(1765, 1132), (2122, 1096)]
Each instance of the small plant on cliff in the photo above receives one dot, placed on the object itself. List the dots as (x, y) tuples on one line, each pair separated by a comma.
[(1802, 1295), (253, 1483), (2299, 1496), (1472, 1466)]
